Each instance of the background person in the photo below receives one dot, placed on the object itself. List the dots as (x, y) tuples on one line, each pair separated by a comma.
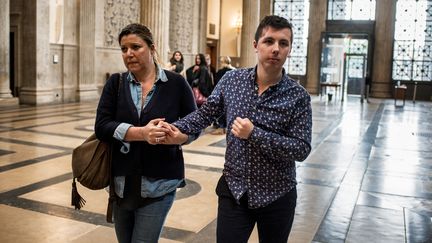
[(199, 75), (146, 174), (211, 69), (176, 62)]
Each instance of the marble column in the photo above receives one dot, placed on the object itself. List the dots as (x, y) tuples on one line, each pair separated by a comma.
[(317, 20), (202, 41), (266, 8), (5, 91), (35, 80), (155, 15), (251, 19), (383, 50), (87, 89)]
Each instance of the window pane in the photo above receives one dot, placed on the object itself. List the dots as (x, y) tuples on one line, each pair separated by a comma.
[(297, 12), (412, 50), (351, 10)]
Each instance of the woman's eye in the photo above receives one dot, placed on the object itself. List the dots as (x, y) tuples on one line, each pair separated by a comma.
[(136, 47)]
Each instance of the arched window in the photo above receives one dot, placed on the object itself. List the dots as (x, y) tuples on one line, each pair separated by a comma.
[(412, 49), (297, 12)]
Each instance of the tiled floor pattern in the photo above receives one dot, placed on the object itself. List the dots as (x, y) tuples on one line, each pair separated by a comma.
[(368, 178)]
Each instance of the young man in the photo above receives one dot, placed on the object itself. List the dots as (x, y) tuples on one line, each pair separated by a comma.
[(270, 120)]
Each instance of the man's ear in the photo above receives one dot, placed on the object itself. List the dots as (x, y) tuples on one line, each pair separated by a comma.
[(255, 44)]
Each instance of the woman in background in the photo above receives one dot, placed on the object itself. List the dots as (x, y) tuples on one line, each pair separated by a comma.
[(199, 76), (176, 62)]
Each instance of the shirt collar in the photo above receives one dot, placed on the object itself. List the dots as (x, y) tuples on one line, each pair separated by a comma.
[(253, 71), (161, 75)]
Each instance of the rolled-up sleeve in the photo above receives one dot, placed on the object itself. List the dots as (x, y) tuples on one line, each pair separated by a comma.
[(120, 134)]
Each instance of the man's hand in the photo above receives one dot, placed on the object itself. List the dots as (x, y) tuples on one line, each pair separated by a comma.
[(242, 128), (174, 135)]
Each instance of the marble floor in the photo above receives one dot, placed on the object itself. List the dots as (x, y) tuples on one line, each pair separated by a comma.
[(368, 178)]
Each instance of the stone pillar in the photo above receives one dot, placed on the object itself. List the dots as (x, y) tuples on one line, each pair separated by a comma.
[(36, 87), (266, 8), (87, 89), (251, 19), (202, 41), (317, 20), (155, 15), (5, 91), (383, 50)]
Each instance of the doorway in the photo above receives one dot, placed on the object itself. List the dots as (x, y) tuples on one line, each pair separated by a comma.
[(12, 86), (343, 64)]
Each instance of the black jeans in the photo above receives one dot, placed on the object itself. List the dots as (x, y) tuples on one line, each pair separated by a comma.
[(235, 222)]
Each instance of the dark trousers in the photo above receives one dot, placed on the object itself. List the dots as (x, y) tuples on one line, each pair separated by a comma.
[(235, 222)]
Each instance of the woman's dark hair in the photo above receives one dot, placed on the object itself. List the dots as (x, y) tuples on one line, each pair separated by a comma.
[(138, 29), (202, 59), (173, 60), (142, 32), (275, 22)]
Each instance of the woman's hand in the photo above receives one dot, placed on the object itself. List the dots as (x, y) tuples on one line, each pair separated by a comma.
[(153, 132), (196, 68)]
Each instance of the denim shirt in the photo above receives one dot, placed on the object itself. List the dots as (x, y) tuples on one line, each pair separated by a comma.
[(150, 187)]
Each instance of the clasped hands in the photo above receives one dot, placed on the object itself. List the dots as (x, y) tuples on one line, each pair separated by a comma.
[(157, 131)]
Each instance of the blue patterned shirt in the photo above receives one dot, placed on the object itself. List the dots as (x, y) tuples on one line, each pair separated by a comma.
[(263, 166)]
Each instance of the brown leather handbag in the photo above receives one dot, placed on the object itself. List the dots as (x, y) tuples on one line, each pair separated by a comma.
[(91, 166)]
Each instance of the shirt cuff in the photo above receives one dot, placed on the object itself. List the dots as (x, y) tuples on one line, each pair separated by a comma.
[(256, 135), (120, 133)]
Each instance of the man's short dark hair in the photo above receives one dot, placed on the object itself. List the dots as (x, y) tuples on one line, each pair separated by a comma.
[(274, 21)]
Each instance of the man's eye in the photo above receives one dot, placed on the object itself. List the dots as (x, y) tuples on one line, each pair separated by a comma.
[(123, 49), (284, 43)]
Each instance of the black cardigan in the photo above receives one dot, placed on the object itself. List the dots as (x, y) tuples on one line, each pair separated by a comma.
[(171, 100)]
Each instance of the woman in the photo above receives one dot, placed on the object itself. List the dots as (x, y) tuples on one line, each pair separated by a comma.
[(176, 62), (199, 76), (146, 173)]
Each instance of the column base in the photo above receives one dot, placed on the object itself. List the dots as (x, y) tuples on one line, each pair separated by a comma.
[(88, 93), (12, 101)]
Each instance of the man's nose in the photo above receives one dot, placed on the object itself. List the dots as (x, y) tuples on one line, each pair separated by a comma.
[(275, 48)]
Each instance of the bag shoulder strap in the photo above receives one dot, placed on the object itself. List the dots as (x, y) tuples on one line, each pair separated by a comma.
[(120, 82), (112, 196)]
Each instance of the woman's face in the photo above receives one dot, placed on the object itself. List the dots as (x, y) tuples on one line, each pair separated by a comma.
[(137, 55), (177, 57), (197, 60)]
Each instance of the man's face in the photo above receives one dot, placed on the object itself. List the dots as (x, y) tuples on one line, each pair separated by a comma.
[(273, 48)]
